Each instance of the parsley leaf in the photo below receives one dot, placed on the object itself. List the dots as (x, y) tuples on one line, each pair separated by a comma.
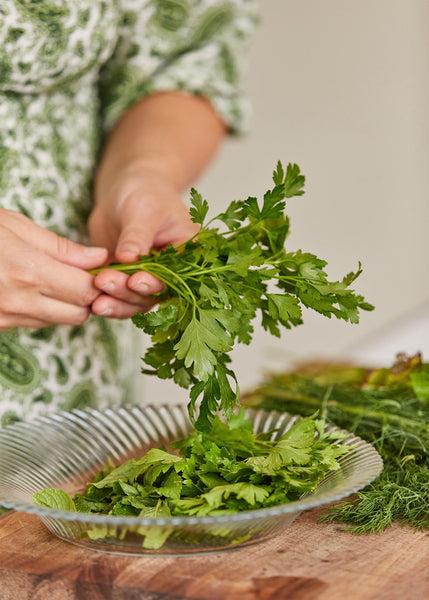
[(199, 208)]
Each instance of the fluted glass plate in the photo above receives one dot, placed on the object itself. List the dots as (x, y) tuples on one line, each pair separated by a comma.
[(65, 450)]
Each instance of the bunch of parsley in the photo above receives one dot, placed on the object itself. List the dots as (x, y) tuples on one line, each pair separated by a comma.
[(388, 407), (223, 471), (218, 282)]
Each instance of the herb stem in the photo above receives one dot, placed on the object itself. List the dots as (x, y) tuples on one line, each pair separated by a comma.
[(357, 410)]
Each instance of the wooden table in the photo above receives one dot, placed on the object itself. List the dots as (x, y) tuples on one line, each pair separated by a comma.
[(309, 561)]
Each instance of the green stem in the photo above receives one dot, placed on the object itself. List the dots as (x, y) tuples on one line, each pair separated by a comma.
[(356, 410), (160, 271)]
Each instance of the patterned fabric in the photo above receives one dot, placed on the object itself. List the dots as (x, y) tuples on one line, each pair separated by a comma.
[(68, 69)]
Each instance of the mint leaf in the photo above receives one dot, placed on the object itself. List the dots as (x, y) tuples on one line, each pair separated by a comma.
[(55, 499)]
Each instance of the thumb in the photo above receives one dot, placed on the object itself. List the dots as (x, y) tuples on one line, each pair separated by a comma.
[(134, 241), (139, 226)]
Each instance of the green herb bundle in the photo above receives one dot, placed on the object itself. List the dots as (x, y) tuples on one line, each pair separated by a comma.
[(387, 407), (217, 283), (226, 470)]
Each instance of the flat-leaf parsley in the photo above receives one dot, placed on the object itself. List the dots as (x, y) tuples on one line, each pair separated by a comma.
[(220, 280)]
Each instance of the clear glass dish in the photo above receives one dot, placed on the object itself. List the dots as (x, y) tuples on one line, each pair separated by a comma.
[(65, 450)]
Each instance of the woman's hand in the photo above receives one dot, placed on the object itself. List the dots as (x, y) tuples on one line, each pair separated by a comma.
[(140, 211), (43, 278), (156, 150)]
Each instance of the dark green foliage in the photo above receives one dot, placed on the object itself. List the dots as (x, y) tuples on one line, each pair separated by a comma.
[(217, 283), (387, 407), (225, 470)]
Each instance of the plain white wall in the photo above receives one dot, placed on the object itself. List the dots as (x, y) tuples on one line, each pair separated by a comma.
[(342, 89)]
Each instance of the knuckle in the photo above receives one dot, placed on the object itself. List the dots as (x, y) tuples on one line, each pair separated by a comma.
[(16, 307), (7, 306), (25, 274), (12, 305), (64, 246), (87, 297), (5, 321), (78, 317)]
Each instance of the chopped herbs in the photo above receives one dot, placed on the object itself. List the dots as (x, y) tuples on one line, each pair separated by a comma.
[(225, 470), (388, 408)]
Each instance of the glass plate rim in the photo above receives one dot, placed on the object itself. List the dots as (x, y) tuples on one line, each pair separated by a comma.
[(309, 501)]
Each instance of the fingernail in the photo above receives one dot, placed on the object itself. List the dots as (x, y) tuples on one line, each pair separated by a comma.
[(109, 286), (106, 312), (127, 247), (93, 251), (141, 288)]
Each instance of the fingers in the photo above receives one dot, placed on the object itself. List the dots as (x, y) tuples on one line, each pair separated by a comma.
[(58, 281), (30, 308), (45, 312), (145, 284), (136, 240), (146, 212), (126, 287), (19, 321), (124, 295), (107, 306), (59, 248), (54, 311), (38, 290)]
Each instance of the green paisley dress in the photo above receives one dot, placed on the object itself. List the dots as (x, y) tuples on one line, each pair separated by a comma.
[(68, 69)]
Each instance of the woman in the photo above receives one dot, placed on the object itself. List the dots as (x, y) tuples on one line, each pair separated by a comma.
[(139, 93)]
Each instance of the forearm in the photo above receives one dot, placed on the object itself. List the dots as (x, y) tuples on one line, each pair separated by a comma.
[(173, 134)]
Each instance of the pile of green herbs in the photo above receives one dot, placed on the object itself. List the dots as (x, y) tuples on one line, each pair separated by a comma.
[(388, 407), (223, 471)]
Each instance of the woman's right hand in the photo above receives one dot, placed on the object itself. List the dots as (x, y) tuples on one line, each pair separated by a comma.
[(43, 278)]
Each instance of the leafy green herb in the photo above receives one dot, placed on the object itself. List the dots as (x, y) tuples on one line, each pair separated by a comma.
[(225, 470), (219, 281), (387, 407), (54, 498)]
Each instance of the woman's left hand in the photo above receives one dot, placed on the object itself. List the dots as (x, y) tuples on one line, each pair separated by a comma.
[(142, 210)]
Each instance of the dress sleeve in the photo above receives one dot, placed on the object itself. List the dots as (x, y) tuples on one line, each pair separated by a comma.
[(194, 46)]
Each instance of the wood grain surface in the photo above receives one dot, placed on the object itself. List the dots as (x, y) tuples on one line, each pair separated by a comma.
[(309, 561)]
